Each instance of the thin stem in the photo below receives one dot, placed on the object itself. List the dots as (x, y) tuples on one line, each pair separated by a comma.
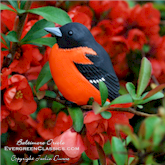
[(19, 29)]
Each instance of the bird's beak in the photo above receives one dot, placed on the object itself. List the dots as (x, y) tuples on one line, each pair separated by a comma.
[(55, 31)]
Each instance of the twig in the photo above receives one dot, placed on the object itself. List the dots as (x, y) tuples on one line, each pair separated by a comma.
[(155, 80), (19, 28), (130, 110)]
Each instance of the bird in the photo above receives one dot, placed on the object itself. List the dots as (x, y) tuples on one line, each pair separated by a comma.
[(78, 63)]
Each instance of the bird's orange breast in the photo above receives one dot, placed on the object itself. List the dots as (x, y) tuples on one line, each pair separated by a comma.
[(70, 82)]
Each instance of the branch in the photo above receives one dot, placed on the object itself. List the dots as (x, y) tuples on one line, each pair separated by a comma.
[(19, 29)]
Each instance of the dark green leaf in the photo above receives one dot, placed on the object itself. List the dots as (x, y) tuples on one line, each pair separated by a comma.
[(77, 117), (44, 161), (107, 148), (37, 30), (44, 76), (4, 49), (155, 90), (156, 96), (56, 106), (144, 76), (122, 99), (50, 94), (101, 153), (150, 124), (4, 7), (12, 36), (85, 158), (106, 114), (146, 48), (131, 89), (48, 41), (119, 152), (103, 92), (6, 40), (13, 3), (8, 156), (52, 14), (22, 4)]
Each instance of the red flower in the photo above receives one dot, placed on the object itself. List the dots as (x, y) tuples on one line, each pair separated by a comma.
[(4, 112), (121, 68), (19, 96), (122, 16), (80, 14), (96, 126), (8, 18), (33, 72), (148, 16), (101, 6), (49, 125), (22, 59), (70, 139), (156, 67), (160, 54), (118, 45), (4, 78), (136, 39), (118, 118)]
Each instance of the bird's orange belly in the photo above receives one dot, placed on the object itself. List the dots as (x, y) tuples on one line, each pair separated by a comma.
[(70, 82)]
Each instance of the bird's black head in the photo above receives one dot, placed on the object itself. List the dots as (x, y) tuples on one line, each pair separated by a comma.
[(71, 35)]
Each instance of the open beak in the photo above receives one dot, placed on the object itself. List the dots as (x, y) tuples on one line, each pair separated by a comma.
[(55, 31)]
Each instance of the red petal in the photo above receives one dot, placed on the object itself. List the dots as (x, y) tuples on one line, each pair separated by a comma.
[(28, 107), (70, 139)]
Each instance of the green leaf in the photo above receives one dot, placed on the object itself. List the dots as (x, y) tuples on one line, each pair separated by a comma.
[(106, 114), (144, 76), (13, 3), (130, 3), (77, 117), (37, 30), (119, 152), (96, 107), (4, 7), (85, 158), (48, 41), (7, 157), (101, 154), (50, 94), (155, 90), (122, 99), (56, 106), (159, 134), (44, 76), (107, 148), (150, 124), (12, 36), (146, 48), (130, 160), (103, 92), (131, 89), (52, 14), (22, 4), (46, 159), (6, 40), (156, 96)]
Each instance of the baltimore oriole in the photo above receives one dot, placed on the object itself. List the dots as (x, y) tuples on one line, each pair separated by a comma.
[(78, 63)]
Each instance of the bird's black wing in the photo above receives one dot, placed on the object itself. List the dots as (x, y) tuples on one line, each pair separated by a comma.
[(95, 74)]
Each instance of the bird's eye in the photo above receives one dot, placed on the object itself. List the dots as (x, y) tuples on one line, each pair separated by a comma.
[(70, 32)]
